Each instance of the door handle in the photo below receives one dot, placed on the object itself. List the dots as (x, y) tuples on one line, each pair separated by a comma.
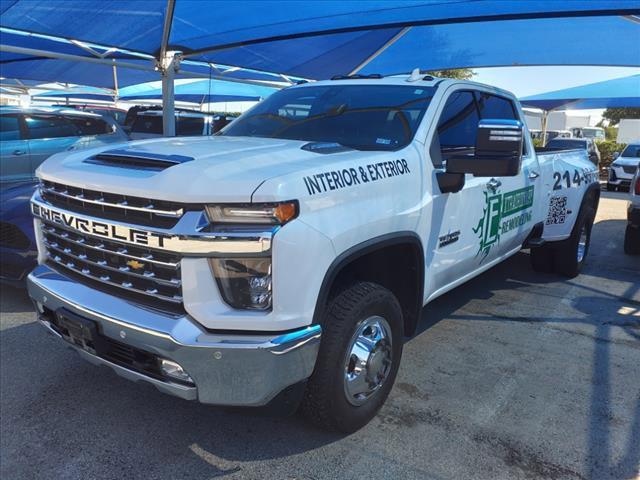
[(19, 152), (533, 175), (494, 184)]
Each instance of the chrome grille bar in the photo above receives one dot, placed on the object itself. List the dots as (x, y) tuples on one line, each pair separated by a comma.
[(102, 246), (80, 257), (114, 264), (124, 205), (106, 279)]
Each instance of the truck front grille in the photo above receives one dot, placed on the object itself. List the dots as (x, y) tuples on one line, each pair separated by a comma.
[(148, 276), (122, 208)]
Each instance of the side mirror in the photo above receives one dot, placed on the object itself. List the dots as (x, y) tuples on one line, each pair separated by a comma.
[(616, 155), (498, 150)]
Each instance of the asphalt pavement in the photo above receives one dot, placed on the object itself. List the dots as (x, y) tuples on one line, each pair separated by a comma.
[(514, 375)]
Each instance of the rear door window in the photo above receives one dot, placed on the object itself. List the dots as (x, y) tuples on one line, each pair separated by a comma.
[(492, 106), (49, 126), (9, 128)]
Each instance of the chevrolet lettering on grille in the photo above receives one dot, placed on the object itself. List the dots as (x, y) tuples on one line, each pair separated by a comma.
[(101, 229)]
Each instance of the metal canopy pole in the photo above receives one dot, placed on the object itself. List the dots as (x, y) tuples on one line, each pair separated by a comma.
[(545, 115), (168, 67)]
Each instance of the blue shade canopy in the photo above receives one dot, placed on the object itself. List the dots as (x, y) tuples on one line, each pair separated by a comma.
[(199, 91), (619, 92), (554, 41), (58, 45), (66, 71), (84, 93), (324, 38), (197, 25)]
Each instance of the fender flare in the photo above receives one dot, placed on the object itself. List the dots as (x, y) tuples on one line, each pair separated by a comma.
[(364, 248), (592, 190)]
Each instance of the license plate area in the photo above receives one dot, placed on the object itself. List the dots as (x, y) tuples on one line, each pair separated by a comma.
[(77, 330)]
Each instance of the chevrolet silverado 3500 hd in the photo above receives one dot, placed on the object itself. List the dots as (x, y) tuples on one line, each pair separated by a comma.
[(289, 256)]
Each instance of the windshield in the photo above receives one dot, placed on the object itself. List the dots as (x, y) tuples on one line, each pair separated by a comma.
[(632, 151), (363, 117), (567, 144)]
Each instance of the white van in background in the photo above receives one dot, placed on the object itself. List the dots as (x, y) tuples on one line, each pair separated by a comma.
[(628, 130)]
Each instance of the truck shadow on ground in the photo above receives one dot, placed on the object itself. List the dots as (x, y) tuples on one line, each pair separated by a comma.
[(602, 311), (122, 426)]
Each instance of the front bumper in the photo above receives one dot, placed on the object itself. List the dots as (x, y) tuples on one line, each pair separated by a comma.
[(618, 177), (227, 369)]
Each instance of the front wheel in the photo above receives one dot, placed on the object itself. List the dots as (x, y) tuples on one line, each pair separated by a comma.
[(358, 361)]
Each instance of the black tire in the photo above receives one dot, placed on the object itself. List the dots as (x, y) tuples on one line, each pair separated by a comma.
[(325, 401), (632, 240), (566, 258), (542, 259)]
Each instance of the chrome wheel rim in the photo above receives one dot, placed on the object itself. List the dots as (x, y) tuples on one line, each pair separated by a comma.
[(368, 360), (582, 244)]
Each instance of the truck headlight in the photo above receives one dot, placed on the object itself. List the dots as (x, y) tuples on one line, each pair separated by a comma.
[(245, 283), (267, 213)]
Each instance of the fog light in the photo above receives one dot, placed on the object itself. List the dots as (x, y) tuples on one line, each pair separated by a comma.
[(173, 370)]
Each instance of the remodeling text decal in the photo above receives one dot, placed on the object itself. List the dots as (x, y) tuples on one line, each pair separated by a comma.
[(503, 212)]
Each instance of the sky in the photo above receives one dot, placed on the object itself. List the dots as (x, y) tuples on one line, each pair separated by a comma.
[(525, 81)]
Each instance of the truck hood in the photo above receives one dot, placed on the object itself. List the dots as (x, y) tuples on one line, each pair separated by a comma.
[(223, 169)]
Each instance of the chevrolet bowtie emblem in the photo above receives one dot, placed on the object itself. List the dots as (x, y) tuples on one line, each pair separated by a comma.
[(136, 265)]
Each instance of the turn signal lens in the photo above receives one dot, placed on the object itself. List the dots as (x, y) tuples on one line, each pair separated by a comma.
[(271, 214)]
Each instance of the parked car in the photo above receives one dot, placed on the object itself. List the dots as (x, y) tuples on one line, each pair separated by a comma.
[(287, 258), (577, 143), (221, 121), (18, 253), (632, 232), (29, 136), (624, 167), (118, 114), (595, 133), (148, 124), (551, 134)]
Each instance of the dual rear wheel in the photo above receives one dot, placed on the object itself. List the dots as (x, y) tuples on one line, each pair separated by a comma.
[(567, 257)]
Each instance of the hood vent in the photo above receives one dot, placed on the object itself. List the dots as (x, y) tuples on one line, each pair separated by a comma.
[(325, 147), (132, 159)]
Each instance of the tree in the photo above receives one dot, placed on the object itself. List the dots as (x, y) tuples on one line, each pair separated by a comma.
[(614, 115), (458, 73)]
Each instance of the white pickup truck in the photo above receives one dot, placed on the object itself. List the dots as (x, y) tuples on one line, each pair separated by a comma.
[(287, 258)]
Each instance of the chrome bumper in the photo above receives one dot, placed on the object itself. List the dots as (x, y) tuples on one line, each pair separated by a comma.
[(238, 369)]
